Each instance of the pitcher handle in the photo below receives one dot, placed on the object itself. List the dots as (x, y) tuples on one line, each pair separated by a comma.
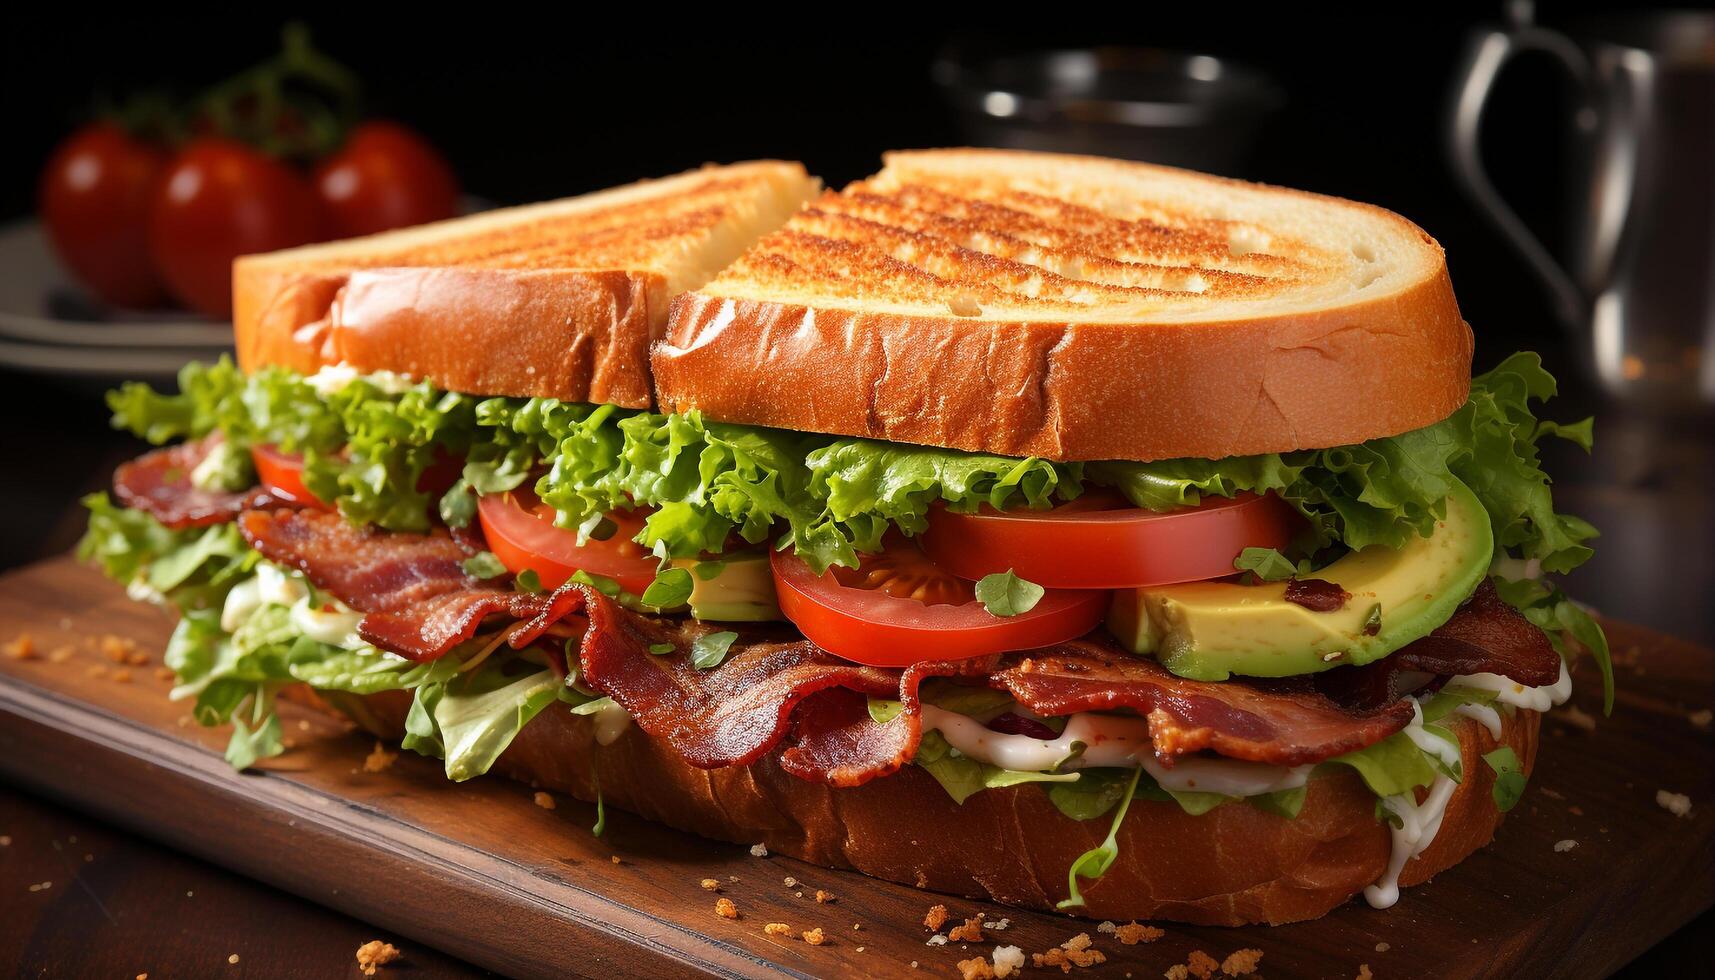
[(1485, 55)]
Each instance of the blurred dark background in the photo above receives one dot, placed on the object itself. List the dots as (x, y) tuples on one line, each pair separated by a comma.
[(547, 104)]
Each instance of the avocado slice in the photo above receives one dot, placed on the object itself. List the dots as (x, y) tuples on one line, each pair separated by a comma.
[(1211, 630), (737, 589)]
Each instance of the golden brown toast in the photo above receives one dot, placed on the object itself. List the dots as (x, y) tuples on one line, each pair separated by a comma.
[(1075, 308), (558, 299)]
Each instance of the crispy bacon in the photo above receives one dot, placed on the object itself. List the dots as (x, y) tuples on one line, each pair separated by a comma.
[(418, 600), (159, 484), (1486, 636), (728, 716), (777, 691)]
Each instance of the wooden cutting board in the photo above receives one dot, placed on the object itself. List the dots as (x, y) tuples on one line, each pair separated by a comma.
[(477, 869)]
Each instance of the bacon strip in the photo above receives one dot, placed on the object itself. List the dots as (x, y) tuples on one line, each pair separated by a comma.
[(159, 484), (418, 599), (1486, 636), (728, 716)]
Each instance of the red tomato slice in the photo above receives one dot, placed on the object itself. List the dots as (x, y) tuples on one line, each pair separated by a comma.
[(899, 609), (1100, 541), (282, 475), (521, 533)]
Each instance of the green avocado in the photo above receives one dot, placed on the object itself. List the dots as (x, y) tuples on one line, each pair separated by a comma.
[(1210, 630), (738, 589)]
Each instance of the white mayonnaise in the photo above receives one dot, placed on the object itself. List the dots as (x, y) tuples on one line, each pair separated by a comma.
[(610, 723), (1511, 692), (336, 629), (336, 377), (1430, 743), (1109, 741), (1484, 715), (1419, 823)]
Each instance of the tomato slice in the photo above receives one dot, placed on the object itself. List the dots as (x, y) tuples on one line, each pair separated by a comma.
[(1100, 541), (521, 533), (898, 608), (282, 474)]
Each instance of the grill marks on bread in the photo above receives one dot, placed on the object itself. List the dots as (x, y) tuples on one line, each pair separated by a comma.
[(999, 247)]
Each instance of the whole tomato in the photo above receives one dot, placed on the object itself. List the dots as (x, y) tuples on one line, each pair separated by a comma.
[(218, 200), (384, 177), (95, 195)]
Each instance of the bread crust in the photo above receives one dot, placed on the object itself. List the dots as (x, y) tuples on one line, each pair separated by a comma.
[(1235, 865), (1075, 391)]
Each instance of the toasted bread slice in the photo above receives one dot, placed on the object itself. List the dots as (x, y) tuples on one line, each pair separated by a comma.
[(1075, 308), (559, 299)]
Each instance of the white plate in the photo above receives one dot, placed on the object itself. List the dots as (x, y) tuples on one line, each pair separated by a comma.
[(48, 324)]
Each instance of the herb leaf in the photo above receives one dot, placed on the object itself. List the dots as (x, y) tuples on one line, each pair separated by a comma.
[(670, 590), (483, 565), (708, 650), (1509, 777), (1005, 594)]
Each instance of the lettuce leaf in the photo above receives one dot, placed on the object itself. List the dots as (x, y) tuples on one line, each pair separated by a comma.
[(1390, 767), (367, 447)]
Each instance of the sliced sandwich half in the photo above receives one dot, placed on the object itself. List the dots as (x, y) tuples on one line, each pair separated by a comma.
[(1081, 534)]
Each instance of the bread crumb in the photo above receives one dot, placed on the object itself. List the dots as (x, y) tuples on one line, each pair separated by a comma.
[(380, 759), (758, 850), (1007, 961), (142, 976), (976, 968), (122, 676), (725, 908), (166, 674), (856, 926), (1106, 927), (116, 648), (1364, 972), (1576, 811), (914, 964), (777, 929), (1073, 952), (185, 721), (41, 886), (137, 658), (859, 949), (23, 647), (711, 885), (1133, 933), (96, 670), (998, 925), (1382, 947), (615, 859), (789, 881), (1552, 794), (1201, 964), (1177, 972), (1576, 717), (1241, 963), (61, 654), (374, 955), (970, 932), (1562, 846), (824, 897), (935, 918), (1677, 804), (936, 940), (1701, 719), (814, 937), (732, 878), (5, 840), (233, 958), (542, 799)]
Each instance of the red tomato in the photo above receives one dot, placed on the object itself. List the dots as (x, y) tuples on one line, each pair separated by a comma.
[(219, 200), (521, 533), (384, 177), (282, 474), (899, 608), (95, 195), (1100, 541)]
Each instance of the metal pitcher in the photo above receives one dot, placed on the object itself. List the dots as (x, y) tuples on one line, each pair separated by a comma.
[(1638, 289)]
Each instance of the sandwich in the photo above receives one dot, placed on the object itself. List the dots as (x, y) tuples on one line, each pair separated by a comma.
[(1080, 534)]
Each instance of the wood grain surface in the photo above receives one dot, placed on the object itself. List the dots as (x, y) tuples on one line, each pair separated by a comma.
[(480, 871)]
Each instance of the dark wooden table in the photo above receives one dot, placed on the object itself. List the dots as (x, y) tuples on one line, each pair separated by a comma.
[(120, 905)]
